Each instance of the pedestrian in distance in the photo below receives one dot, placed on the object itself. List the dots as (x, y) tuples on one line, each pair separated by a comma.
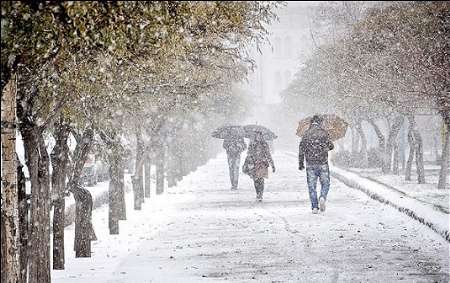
[(314, 148), (234, 147), (257, 163)]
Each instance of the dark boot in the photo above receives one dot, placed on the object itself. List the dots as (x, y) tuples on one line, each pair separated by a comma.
[(259, 186)]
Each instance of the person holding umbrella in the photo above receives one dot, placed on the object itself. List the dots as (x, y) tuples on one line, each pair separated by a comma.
[(234, 146), (257, 163), (314, 148)]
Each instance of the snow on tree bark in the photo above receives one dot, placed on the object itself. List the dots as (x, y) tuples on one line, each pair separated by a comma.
[(381, 144), (137, 180), (160, 169), (147, 176), (59, 157), (23, 223), (410, 155), (84, 230), (363, 150), (10, 217), (443, 173), (392, 139)]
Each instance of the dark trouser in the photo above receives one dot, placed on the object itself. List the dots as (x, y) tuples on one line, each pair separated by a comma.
[(259, 187), (233, 165)]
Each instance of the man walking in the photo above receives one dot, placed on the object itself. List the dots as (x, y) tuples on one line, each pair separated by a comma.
[(234, 147), (314, 148)]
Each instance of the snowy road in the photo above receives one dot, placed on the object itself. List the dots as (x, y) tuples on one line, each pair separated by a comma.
[(202, 231)]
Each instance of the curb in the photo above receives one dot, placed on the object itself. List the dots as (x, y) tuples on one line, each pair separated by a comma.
[(426, 215)]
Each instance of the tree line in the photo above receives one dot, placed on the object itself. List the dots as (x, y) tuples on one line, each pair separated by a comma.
[(383, 66)]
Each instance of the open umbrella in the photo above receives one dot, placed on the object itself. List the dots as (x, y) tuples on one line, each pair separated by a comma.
[(250, 131), (333, 124), (228, 132)]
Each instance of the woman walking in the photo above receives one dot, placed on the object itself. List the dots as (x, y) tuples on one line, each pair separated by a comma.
[(257, 163)]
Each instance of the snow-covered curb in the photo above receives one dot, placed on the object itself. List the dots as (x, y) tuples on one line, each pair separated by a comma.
[(425, 214)]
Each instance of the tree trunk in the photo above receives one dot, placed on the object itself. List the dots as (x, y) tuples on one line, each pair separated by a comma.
[(116, 193), (363, 151), (437, 156), (395, 168), (59, 158), (419, 158), (37, 161), (381, 145), (410, 155), (10, 223), (160, 170), (121, 193), (137, 180), (84, 232), (418, 144), (3, 246), (113, 200), (445, 159), (355, 140), (23, 223), (147, 175), (402, 147), (392, 139)]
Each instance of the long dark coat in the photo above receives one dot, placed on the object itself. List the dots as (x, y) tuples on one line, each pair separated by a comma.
[(258, 160)]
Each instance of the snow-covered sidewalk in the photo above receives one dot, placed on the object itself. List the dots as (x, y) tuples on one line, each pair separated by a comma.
[(202, 231), (424, 212), (426, 193)]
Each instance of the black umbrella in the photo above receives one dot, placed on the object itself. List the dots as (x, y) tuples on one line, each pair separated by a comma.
[(250, 131), (228, 132)]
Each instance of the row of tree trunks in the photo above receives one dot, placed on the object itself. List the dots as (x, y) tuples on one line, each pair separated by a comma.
[(10, 224), (59, 157)]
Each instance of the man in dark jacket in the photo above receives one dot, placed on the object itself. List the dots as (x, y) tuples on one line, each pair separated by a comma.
[(314, 149), (234, 147)]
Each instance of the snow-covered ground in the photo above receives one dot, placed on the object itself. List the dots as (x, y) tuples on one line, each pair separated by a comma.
[(428, 193), (201, 231)]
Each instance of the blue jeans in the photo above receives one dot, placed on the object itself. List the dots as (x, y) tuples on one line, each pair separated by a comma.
[(313, 172)]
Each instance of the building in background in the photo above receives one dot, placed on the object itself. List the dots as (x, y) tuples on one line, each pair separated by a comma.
[(290, 45)]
